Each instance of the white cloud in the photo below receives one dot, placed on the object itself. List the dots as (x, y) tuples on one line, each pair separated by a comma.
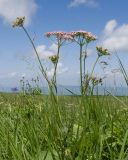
[(11, 75), (115, 37), (110, 26), (53, 48), (45, 52), (60, 70), (8, 75), (76, 3), (10, 9)]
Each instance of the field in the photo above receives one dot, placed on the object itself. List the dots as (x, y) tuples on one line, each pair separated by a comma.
[(71, 128), (63, 80), (34, 126)]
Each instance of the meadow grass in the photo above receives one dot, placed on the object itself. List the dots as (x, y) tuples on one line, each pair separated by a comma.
[(52, 127), (71, 128)]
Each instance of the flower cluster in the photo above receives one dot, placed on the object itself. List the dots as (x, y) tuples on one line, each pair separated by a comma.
[(68, 37), (102, 51), (72, 35), (54, 59), (19, 22), (60, 35), (57, 34), (84, 34)]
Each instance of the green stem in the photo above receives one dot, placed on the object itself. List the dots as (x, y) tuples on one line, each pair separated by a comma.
[(94, 66), (92, 72), (85, 57), (81, 79), (92, 90), (55, 67), (33, 45)]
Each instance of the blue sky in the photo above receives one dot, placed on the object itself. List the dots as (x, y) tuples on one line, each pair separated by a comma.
[(106, 19)]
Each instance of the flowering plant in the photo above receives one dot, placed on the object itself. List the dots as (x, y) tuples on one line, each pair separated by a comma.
[(82, 38), (61, 38)]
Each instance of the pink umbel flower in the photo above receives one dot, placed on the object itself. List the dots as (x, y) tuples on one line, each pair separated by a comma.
[(55, 33), (88, 36), (60, 35), (67, 37)]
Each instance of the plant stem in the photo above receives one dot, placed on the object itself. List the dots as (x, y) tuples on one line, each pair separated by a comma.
[(81, 79), (88, 80), (94, 66), (55, 67), (85, 58), (33, 45)]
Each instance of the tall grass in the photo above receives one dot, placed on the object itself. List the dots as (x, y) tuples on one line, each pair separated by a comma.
[(35, 128)]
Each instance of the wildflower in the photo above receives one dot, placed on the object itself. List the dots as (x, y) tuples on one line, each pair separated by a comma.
[(60, 35), (19, 22), (88, 36), (54, 59), (57, 34), (102, 51), (67, 37)]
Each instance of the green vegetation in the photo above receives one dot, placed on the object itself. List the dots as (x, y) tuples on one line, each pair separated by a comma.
[(71, 128), (51, 127)]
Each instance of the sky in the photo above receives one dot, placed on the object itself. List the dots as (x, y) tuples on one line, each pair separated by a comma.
[(107, 19)]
